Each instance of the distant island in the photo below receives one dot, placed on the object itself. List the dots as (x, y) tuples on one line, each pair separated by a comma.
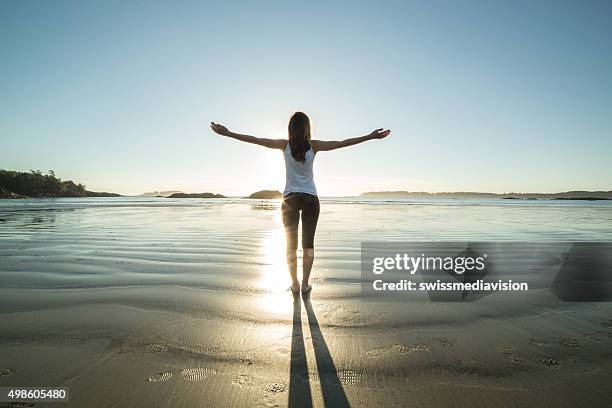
[(196, 195), (266, 195), (160, 193), (35, 184), (567, 195)]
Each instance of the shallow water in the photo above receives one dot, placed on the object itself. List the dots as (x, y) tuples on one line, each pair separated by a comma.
[(237, 244)]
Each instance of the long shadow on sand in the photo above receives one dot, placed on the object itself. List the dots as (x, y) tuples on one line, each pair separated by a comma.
[(299, 383)]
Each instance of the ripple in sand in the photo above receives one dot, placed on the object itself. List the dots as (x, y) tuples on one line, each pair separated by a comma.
[(607, 324), (5, 371), (161, 377), (549, 362), (567, 342), (444, 341), (599, 336), (469, 363), (197, 374)]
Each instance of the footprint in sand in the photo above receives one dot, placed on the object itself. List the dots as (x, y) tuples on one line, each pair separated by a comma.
[(312, 378), (197, 373), (275, 388), (268, 402), (396, 349), (445, 342), (215, 350), (567, 342), (539, 342), (250, 381), (121, 350), (5, 371), (399, 348), (549, 362), (346, 377), (349, 377), (420, 347), (375, 353), (156, 348), (161, 377), (516, 359), (246, 381), (246, 360), (505, 349), (509, 352), (281, 351)]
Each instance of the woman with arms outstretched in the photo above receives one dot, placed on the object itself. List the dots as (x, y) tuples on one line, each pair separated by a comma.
[(300, 193)]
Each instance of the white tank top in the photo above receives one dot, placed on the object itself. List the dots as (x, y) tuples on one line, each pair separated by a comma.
[(299, 176)]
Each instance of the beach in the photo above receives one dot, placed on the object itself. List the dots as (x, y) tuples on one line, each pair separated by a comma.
[(154, 302)]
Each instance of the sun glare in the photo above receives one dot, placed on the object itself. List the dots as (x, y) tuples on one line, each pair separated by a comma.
[(274, 277), (271, 168)]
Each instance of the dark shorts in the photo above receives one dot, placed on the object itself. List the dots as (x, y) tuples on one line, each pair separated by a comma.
[(308, 204)]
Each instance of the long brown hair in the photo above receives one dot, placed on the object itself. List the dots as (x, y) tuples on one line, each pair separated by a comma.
[(299, 135)]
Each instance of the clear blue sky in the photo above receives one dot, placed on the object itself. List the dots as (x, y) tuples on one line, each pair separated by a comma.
[(480, 95)]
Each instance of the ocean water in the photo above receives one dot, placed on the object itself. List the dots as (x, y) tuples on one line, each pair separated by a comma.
[(237, 244)]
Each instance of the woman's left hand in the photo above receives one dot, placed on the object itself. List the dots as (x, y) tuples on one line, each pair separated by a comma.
[(380, 133)]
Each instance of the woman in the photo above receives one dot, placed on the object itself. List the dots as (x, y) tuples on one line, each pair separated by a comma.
[(300, 192)]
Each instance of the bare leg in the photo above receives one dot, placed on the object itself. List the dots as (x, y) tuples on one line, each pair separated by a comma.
[(292, 264), (307, 261), (291, 219), (310, 216)]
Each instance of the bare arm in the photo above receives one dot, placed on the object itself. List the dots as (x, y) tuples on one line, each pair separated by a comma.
[(326, 145), (271, 143)]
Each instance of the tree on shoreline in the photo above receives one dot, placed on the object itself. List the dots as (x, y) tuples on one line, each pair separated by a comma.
[(15, 184)]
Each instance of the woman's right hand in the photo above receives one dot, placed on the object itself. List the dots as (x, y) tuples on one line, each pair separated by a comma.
[(219, 129), (380, 133)]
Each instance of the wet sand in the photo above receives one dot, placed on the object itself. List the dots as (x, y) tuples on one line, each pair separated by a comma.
[(150, 304)]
